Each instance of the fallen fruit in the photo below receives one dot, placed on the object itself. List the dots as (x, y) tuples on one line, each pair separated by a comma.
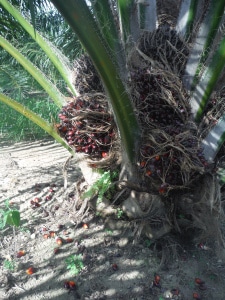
[(66, 285), (69, 240), (52, 233), (49, 197), (157, 278), (52, 191), (20, 253), (196, 296), (56, 250), (72, 285), (30, 271), (114, 267), (156, 281), (199, 281), (37, 200), (59, 241), (46, 236), (85, 226)]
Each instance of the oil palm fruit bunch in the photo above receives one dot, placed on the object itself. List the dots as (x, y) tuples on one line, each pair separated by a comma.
[(88, 127)]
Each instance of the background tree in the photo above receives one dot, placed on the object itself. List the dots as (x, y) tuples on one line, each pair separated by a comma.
[(152, 109)]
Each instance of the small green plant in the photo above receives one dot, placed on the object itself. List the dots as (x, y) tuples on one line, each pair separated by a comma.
[(109, 231), (148, 243), (9, 264), (119, 213), (74, 263), (9, 216), (101, 186)]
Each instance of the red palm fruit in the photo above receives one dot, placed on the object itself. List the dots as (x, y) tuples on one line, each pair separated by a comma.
[(71, 132), (142, 164), (56, 250), (157, 279), (66, 285), (92, 165), (46, 236), (107, 139), (52, 233), (157, 157), (196, 296), (199, 281), (148, 173), (63, 129), (85, 226), (104, 154), (30, 271), (72, 285), (69, 240), (114, 267), (162, 190), (20, 253), (59, 241), (49, 197)]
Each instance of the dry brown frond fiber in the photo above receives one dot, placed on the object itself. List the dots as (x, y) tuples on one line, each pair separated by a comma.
[(86, 78), (165, 48), (170, 155)]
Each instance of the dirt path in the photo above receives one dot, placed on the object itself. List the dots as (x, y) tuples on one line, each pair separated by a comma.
[(113, 267)]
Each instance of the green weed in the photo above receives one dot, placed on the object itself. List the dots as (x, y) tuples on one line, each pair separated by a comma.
[(109, 231), (103, 186), (74, 263), (148, 243), (9, 216), (9, 264), (119, 213)]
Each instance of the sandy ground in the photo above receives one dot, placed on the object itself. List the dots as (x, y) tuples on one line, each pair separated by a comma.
[(113, 266)]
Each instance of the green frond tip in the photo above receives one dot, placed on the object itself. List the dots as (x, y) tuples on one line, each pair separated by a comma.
[(60, 62), (36, 73), (36, 119)]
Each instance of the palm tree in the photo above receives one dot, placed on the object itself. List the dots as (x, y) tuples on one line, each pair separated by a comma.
[(149, 103)]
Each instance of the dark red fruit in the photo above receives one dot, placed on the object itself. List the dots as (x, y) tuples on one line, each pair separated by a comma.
[(20, 253), (30, 271), (72, 285), (114, 267), (56, 250), (52, 233), (196, 296), (49, 197), (199, 281), (69, 240), (66, 285)]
